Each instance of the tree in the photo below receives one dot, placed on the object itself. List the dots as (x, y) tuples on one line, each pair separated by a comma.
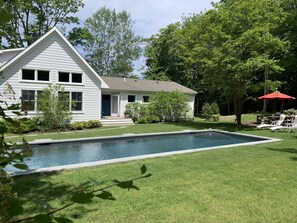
[(112, 46), (163, 61), (33, 18), (53, 106), (230, 48)]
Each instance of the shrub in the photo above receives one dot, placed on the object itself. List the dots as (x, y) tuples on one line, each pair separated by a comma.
[(85, 125), (78, 125), (211, 112), (170, 107), (93, 124), (53, 107), (24, 125), (133, 110), (142, 120), (153, 119)]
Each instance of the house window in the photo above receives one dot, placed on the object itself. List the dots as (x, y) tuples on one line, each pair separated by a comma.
[(64, 99), (146, 99), (76, 78), (63, 77), (42, 75), (28, 100), (76, 98), (131, 98), (28, 74)]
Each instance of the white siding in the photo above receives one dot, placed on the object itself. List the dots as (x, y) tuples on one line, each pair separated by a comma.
[(139, 98), (7, 55), (54, 55)]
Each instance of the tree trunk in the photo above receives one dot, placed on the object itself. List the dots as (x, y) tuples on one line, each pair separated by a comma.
[(266, 78), (237, 109)]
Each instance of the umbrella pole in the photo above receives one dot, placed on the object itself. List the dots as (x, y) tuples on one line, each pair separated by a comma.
[(282, 106)]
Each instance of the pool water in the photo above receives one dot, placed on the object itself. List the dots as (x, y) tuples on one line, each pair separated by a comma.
[(59, 154)]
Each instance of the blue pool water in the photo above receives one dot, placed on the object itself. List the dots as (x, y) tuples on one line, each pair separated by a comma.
[(59, 154)]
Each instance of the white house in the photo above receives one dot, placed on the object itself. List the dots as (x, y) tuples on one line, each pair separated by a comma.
[(53, 60)]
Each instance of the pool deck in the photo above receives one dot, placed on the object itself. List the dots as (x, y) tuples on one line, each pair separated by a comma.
[(126, 159)]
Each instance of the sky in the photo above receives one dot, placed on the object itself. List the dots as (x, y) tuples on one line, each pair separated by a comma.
[(149, 15)]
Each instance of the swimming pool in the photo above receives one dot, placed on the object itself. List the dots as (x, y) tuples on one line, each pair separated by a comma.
[(70, 154)]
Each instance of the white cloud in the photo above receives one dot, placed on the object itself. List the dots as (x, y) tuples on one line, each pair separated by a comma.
[(149, 15)]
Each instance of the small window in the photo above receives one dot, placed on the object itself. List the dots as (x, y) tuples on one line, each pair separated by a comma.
[(28, 74), (131, 98), (76, 78), (43, 75), (28, 100), (63, 77), (76, 98), (146, 99)]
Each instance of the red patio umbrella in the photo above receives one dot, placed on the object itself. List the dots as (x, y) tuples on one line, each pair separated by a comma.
[(277, 96)]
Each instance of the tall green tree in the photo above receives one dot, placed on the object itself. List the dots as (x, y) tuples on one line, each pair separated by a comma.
[(32, 18), (232, 47), (112, 46)]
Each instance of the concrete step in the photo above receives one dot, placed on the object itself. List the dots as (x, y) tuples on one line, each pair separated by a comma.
[(116, 121)]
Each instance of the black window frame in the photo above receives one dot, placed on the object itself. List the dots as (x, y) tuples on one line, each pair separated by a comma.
[(43, 71), (131, 96), (24, 71), (28, 104), (147, 100), (76, 104), (74, 77), (63, 73)]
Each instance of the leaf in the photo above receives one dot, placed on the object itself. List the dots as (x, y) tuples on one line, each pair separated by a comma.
[(126, 185), (63, 220), (95, 182), (43, 218), (143, 169), (82, 197), (20, 166), (16, 208), (147, 175), (106, 195)]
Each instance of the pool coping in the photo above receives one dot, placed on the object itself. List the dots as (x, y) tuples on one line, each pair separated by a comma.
[(132, 158)]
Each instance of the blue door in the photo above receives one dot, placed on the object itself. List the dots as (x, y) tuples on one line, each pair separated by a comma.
[(106, 104)]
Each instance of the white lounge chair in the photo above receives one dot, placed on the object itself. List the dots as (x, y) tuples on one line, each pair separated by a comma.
[(291, 126), (273, 124)]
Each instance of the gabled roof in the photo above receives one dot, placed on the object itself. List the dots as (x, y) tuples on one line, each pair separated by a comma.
[(40, 40), (129, 84)]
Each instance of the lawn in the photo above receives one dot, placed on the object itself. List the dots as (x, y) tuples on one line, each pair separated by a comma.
[(242, 184)]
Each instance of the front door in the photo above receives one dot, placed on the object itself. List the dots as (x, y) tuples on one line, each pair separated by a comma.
[(106, 102)]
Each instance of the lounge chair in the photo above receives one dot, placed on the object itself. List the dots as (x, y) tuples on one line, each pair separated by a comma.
[(291, 126), (273, 124)]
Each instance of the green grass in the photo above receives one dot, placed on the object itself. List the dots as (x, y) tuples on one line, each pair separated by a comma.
[(242, 184)]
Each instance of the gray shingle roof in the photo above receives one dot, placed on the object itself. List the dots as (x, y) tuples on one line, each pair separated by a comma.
[(129, 84)]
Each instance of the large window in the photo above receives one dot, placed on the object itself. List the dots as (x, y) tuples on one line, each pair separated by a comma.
[(41, 75), (67, 77), (28, 100), (70, 100), (76, 98), (131, 98)]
